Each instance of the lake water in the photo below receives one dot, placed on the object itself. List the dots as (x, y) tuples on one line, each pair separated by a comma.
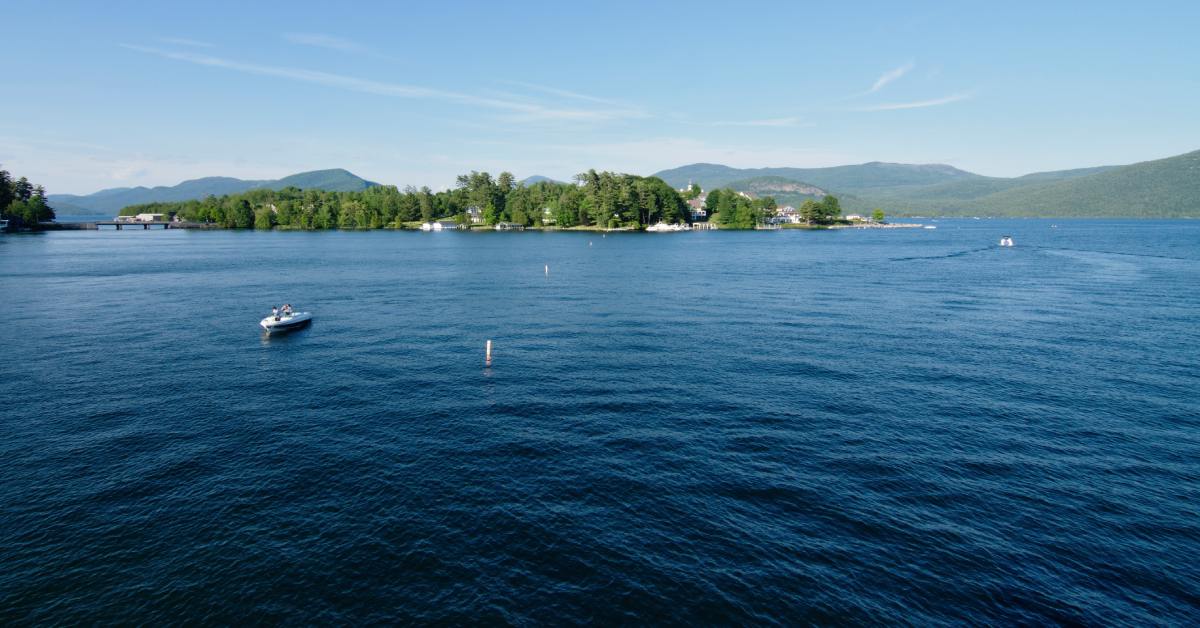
[(762, 427)]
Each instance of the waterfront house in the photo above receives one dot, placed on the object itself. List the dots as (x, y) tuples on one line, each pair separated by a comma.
[(548, 216), (696, 208), (475, 214), (786, 215)]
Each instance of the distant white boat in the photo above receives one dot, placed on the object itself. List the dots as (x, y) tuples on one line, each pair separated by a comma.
[(285, 322), (931, 226), (663, 227), (4, 225), (1006, 241)]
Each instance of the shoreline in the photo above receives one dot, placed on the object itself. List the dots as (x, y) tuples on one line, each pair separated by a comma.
[(164, 226)]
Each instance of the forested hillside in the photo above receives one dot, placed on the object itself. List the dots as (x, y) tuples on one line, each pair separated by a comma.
[(107, 202)]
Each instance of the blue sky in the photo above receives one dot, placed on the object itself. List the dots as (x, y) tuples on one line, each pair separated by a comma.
[(118, 94)]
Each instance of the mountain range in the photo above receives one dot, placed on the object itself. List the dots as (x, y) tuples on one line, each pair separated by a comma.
[(112, 200), (1163, 188)]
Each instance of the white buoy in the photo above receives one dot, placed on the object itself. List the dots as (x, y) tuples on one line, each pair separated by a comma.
[(488, 354), (547, 270)]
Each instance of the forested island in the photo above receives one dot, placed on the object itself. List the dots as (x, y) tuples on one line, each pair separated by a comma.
[(596, 200), (22, 203)]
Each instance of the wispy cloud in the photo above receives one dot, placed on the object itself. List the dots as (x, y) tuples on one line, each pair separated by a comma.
[(320, 40), (180, 41), (916, 104), (564, 93), (519, 111), (769, 122), (890, 76)]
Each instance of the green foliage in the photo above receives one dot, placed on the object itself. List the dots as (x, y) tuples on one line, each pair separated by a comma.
[(831, 208), (604, 199), (108, 201), (1164, 188), (734, 211), (264, 218), (22, 202), (810, 211), (821, 213), (877, 215), (854, 179)]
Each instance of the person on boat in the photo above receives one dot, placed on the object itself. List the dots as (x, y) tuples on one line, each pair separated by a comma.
[(287, 309), (275, 312)]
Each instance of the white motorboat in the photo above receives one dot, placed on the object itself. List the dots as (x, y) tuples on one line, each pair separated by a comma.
[(285, 322), (1006, 241), (664, 227)]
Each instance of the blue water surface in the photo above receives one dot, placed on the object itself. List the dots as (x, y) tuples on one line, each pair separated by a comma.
[(867, 426)]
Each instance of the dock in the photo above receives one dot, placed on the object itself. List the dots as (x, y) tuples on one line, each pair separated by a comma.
[(126, 224)]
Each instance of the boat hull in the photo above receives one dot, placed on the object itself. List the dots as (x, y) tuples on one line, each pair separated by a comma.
[(287, 323)]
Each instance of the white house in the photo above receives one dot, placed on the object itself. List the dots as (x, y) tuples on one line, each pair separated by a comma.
[(786, 215), (476, 215)]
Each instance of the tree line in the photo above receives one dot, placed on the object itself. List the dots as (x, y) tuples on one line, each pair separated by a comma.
[(731, 210), (596, 199), (821, 212), (23, 203)]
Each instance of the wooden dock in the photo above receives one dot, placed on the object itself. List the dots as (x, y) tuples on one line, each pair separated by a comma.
[(120, 224)]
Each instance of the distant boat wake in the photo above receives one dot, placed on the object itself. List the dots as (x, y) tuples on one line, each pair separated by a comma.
[(945, 256)]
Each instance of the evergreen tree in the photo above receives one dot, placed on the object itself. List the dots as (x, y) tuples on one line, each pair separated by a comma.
[(22, 189), (830, 208)]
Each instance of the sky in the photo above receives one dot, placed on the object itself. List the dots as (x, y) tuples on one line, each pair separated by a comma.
[(115, 94)]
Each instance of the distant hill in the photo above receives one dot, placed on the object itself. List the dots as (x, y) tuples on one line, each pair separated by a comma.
[(784, 190), (537, 178), (1163, 188), (110, 201), (854, 179)]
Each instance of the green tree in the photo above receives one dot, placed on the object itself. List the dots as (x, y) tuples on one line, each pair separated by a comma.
[(810, 211), (6, 191), (22, 189), (830, 208), (264, 218), (425, 203), (242, 217), (877, 215)]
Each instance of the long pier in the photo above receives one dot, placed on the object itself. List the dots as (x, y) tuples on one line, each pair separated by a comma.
[(122, 224)]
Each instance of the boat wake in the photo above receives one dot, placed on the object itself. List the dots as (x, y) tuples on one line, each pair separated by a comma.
[(944, 256)]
